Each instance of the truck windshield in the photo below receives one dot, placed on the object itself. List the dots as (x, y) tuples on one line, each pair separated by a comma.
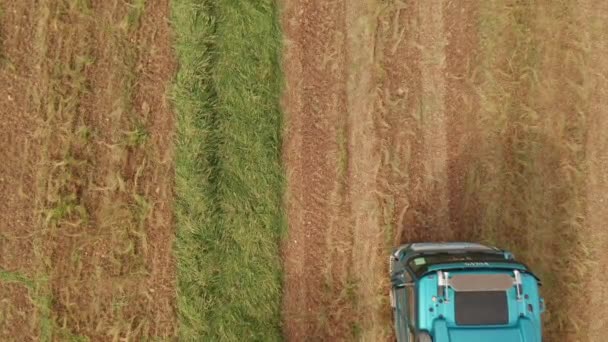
[(420, 264)]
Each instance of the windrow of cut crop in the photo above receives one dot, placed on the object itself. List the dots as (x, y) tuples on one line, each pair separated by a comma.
[(229, 180)]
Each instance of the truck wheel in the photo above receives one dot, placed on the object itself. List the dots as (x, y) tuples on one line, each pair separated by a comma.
[(424, 337)]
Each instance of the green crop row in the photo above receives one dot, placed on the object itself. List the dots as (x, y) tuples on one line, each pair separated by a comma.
[(229, 179)]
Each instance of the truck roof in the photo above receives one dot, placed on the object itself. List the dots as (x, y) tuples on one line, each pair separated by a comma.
[(448, 246), (480, 305), (469, 292), (423, 257)]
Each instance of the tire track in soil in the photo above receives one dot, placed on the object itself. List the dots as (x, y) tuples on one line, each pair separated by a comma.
[(19, 152), (461, 109), (433, 119), (315, 101)]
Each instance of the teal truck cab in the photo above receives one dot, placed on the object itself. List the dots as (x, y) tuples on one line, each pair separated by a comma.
[(463, 292)]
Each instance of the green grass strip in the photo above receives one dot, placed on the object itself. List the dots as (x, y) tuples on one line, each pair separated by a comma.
[(14, 277), (229, 180)]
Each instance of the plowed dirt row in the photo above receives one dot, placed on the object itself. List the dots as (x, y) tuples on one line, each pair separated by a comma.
[(316, 82), (436, 121), (18, 168)]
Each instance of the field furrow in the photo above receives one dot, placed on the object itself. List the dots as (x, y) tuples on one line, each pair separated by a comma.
[(314, 149)]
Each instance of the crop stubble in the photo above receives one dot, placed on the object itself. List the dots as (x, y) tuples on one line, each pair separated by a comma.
[(461, 124), (87, 227)]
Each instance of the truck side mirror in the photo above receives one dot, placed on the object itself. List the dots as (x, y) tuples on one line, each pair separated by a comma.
[(542, 305), (400, 279)]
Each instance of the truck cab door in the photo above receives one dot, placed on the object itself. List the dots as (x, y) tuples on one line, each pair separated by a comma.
[(401, 306), (410, 310)]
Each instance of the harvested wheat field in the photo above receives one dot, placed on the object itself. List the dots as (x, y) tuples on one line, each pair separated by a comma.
[(239, 170), (86, 173), (441, 121)]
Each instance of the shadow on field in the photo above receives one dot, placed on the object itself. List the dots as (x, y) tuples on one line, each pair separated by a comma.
[(523, 192)]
